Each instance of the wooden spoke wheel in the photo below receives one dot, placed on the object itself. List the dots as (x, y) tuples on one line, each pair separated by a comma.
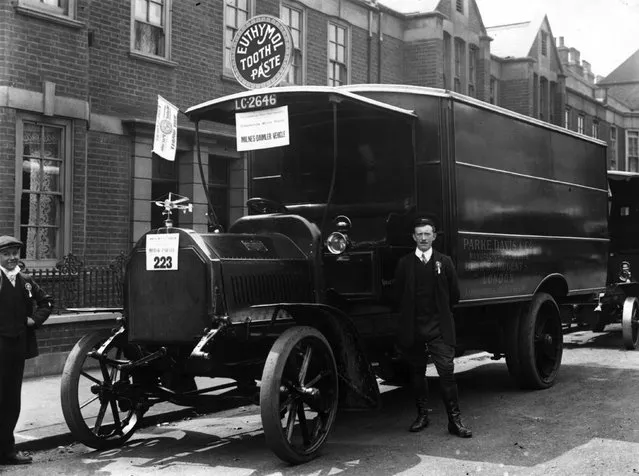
[(630, 323), (99, 402), (298, 394)]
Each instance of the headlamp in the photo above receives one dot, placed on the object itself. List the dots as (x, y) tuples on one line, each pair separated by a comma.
[(337, 242)]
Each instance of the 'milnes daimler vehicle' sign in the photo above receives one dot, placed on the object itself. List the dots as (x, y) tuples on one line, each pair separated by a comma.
[(261, 52)]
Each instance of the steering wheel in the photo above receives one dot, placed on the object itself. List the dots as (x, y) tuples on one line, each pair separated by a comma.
[(259, 206)]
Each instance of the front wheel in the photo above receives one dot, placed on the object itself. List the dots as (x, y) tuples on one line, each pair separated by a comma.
[(99, 402), (298, 394), (630, 323)]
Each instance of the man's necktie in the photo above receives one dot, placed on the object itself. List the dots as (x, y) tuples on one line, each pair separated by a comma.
[(423, 258)]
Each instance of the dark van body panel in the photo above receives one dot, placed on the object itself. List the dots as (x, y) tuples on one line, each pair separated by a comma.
[(516, 200)]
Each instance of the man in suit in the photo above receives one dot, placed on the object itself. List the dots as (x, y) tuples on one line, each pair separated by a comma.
[(18, 319), (426, 288)]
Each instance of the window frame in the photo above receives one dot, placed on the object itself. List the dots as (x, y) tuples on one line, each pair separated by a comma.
[(347, 52), (544, 43), (544, 87), (567, 117), (493, 90), (64, 233), (581, 123), (167, 19), (459, 49), (447, 59), (613, 145), (226, 41), (302, 42), (634, 134), (595, 128), (473, 61), (71, 6)]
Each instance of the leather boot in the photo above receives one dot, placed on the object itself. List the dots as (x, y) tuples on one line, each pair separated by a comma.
[(455, 425), (422, 420), (451, 402)]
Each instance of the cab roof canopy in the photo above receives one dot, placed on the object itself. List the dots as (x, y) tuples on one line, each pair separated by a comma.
[(302, 101)]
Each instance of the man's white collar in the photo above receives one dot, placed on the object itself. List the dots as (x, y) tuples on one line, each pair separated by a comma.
[(427, 254), (11, 274)]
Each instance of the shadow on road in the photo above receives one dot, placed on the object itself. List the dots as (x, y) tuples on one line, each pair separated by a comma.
[(610, 338), (512, 429)]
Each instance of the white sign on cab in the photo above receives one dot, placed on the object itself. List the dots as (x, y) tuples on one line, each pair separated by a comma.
[(162, 252), (262, 129)]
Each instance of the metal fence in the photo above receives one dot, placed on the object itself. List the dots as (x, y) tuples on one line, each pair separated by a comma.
[(74, 285)]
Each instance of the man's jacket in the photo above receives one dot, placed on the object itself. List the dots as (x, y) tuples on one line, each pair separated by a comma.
[(37, 303), (446, 296)]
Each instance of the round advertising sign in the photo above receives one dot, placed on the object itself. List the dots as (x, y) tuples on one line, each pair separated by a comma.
[(261, 52)]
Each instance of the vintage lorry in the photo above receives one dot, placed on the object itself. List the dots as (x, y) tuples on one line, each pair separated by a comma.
[(297, 295), (619, 303)]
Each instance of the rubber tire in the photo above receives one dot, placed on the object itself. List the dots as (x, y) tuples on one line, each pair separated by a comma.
[(69, 394), (630, 323), (270, 394), (512, 346), (530, 376)]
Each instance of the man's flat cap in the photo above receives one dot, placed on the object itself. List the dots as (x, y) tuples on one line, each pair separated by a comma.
[(423, 221), (7, 241)]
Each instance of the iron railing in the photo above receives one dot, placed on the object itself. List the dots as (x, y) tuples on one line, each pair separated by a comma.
[(74, 285)]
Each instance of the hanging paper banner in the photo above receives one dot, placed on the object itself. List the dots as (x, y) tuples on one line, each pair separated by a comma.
[(165, 140)]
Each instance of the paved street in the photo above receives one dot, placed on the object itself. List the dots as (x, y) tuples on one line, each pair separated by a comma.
[(587, 424)]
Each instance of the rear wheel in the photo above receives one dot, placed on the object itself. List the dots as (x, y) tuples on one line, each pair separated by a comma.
[(534, 343), (298, 394), (540, 342), (630, 323), (99, 402)]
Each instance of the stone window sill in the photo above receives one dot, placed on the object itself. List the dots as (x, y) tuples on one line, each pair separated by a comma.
[(48, 16), (153, 59)]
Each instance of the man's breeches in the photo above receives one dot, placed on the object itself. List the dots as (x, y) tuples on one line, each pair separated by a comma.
[(442, 356), (12, 352)]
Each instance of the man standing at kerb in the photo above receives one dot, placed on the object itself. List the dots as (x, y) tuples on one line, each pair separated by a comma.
[(426, 289), (18, 319)]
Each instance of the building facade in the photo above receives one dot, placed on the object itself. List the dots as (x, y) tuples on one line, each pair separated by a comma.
[(79, 82)]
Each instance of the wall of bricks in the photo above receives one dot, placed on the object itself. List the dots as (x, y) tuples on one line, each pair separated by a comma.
[(423, 63), (39, 50), (516, 95), (108, 205), (7, 169), (316, 63)]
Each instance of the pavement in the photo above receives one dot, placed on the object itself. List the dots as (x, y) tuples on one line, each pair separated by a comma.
[(42, 426)]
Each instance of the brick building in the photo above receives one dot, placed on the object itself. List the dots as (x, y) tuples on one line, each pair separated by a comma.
[(526, 72), (619, 92), (79, 83)]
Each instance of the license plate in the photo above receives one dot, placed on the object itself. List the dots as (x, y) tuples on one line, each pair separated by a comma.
[(255, 102)]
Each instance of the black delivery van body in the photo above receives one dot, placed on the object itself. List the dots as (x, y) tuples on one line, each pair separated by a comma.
[(298, 293)]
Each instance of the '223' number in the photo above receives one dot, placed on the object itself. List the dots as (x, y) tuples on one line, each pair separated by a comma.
[(162, 262)]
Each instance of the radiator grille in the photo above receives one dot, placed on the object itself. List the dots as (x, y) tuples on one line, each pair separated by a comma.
[(270, 288)]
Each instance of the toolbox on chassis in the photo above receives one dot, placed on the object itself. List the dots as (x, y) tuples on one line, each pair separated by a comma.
[(298, 293)]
